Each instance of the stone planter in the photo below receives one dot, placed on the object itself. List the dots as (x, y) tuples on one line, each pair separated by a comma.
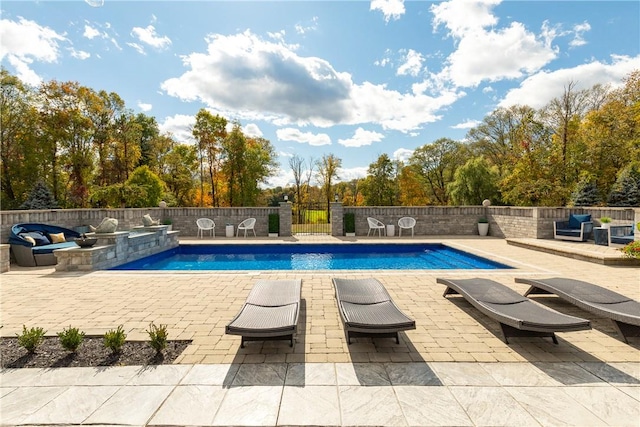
[(483, 228)]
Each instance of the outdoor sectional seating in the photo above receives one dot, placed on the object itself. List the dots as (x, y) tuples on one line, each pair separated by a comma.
[(518, 316), (32, 244), (270, 312), (578, 228), (367, 309), (623, 312)]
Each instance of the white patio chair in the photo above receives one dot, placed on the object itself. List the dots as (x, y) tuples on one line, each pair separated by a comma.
[(247, 224), (374, 225), (205, 224), (406, 223)]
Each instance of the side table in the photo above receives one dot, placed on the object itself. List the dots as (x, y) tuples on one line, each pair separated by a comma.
[(229, 231), (391, 230), (601, 236)]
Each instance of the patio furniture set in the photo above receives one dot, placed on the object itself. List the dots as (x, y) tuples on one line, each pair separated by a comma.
[(272, 308), (579, 228), (207, 224)]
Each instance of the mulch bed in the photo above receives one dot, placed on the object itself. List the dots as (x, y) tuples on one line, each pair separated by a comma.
[(91, 352)]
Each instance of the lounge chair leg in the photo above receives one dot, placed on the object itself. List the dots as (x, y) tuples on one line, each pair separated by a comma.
[(242, 342), (397, 338), (553, 337)]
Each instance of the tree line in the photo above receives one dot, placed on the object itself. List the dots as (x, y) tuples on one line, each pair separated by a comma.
[(582, 148), (90, 150)]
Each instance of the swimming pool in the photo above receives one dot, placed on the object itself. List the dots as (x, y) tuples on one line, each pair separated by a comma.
[(313, 257)]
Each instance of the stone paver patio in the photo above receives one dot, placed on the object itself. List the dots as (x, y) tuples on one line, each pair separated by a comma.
[(452, 370)]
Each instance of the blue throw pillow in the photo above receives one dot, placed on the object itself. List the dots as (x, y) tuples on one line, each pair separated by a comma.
[(576, 220), (39, 237)]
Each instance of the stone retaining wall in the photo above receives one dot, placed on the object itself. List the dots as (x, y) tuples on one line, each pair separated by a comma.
[(505, 221)]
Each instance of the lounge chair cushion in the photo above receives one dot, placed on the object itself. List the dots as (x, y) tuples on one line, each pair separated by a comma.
[(576, 220)]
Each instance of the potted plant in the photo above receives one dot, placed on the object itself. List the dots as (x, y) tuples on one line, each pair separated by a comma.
[(483, 226), (274, 224), (605, 222), (349, 221), (168, 222)]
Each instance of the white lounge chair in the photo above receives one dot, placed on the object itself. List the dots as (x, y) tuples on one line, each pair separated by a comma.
[(374, 225), (407, 223), (205, 224), (247, 224)]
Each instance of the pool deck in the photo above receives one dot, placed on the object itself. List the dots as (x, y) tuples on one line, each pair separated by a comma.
[(452, 370)]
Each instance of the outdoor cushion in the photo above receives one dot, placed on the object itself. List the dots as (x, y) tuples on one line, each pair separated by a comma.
[(47, 249), (57, 237), (576, 220), (29, 239), (39, 238)]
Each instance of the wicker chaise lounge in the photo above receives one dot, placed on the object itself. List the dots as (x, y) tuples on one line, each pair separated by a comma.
[(367, 309), (270, 312), (518, 316), (623, 312)]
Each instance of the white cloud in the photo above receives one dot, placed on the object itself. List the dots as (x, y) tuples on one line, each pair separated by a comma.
[(79, 54), (148, 36), (537, 90), (90, 32), (579, 30), (253, 79), (412, 65), (292, 134), (389, 8), (488, 89), (402, 154), (252, 130), (462, 17), (285, 154), (361, 138), (137, 47), (349, 174), (467, 124), (22, 42), (304, 29), (144, 106), (180, 127), (490, 54), (283, 178)]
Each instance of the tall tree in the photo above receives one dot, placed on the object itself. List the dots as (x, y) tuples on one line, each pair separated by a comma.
[(210, 132), (20, 156), (381, 185), (436, 163), (181, 166), (327, 168), (474, 182), (234, 148)]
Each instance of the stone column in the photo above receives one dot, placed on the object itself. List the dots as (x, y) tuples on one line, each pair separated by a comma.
[(337, 216), (285, 219)]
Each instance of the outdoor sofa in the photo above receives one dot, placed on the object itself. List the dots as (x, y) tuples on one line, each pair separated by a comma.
[(367, 309), (518, 316), (623, 312), (270, 312), (577, 228), (32, 244)]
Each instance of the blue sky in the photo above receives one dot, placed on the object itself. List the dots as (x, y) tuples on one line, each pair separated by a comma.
[(353, 78)]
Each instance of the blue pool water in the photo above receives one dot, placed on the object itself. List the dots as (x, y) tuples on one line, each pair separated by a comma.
[(313, 257)]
